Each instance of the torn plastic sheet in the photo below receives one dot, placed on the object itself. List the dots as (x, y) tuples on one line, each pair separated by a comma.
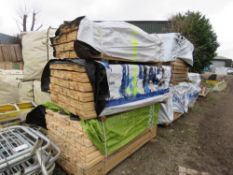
[(182, 96), (130, 43), (121, 87)]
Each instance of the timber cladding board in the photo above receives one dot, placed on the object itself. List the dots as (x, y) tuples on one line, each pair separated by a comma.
[(10, 53), (78, 155), (179, 71)]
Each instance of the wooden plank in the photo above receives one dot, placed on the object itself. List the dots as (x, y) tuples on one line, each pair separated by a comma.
[(1, 54), (179, 76), (71, 75), (18, 53), (76, 95), (68, 67), (73, 85)]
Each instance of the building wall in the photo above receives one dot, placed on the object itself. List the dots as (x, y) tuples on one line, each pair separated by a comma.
[(152, 26), (7, 39), (218, 63)]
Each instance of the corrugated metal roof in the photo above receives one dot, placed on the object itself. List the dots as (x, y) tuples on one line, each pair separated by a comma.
[(152, 26)]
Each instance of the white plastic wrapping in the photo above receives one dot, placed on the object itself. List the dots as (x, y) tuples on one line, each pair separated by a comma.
[(126, 41), (26, 91), (174, 46), (133, 86), (183, 96), (39, 96), (36, 52), (9, 82)]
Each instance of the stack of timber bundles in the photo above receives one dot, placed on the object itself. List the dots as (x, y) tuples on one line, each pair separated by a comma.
[(115, 104)]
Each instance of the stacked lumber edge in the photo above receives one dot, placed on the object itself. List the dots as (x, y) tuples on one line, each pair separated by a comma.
[(78, 155), (71, 89)]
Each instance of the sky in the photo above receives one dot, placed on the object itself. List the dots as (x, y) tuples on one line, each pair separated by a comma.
[(54, 12)]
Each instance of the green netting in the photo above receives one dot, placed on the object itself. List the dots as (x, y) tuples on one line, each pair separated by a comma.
[(54, 107), (115, 131)]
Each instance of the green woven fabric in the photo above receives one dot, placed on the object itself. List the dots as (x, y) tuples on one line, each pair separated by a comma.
[(54, 107), (117, 130)]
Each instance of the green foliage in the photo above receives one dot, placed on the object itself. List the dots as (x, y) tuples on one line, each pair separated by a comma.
[(197, 28)]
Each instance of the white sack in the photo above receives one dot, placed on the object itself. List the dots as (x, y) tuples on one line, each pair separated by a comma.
[(39, 96), (183, 96), (126, 41), (9, 82), (36, 52), (26, 91)]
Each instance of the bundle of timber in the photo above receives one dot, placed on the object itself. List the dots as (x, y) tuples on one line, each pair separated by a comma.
[(96, 146), (179, 71), (183, 96), (91, 89), (118, 41)]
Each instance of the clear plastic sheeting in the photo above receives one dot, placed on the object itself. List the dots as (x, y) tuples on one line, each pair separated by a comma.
[(126, 41), (183, 96), (132, 86)]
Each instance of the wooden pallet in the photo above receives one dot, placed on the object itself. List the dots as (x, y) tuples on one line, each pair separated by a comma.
[(78, 154)]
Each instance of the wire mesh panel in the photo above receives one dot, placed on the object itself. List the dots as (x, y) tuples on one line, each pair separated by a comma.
[(25, 150)]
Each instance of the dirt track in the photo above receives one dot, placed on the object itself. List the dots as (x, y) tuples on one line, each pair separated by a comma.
[(200, 140)]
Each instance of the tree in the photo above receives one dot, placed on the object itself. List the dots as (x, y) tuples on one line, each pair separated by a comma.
[(197, 28), (23, 15)]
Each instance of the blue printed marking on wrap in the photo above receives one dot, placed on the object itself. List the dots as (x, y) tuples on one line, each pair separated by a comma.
[(122, 101)]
